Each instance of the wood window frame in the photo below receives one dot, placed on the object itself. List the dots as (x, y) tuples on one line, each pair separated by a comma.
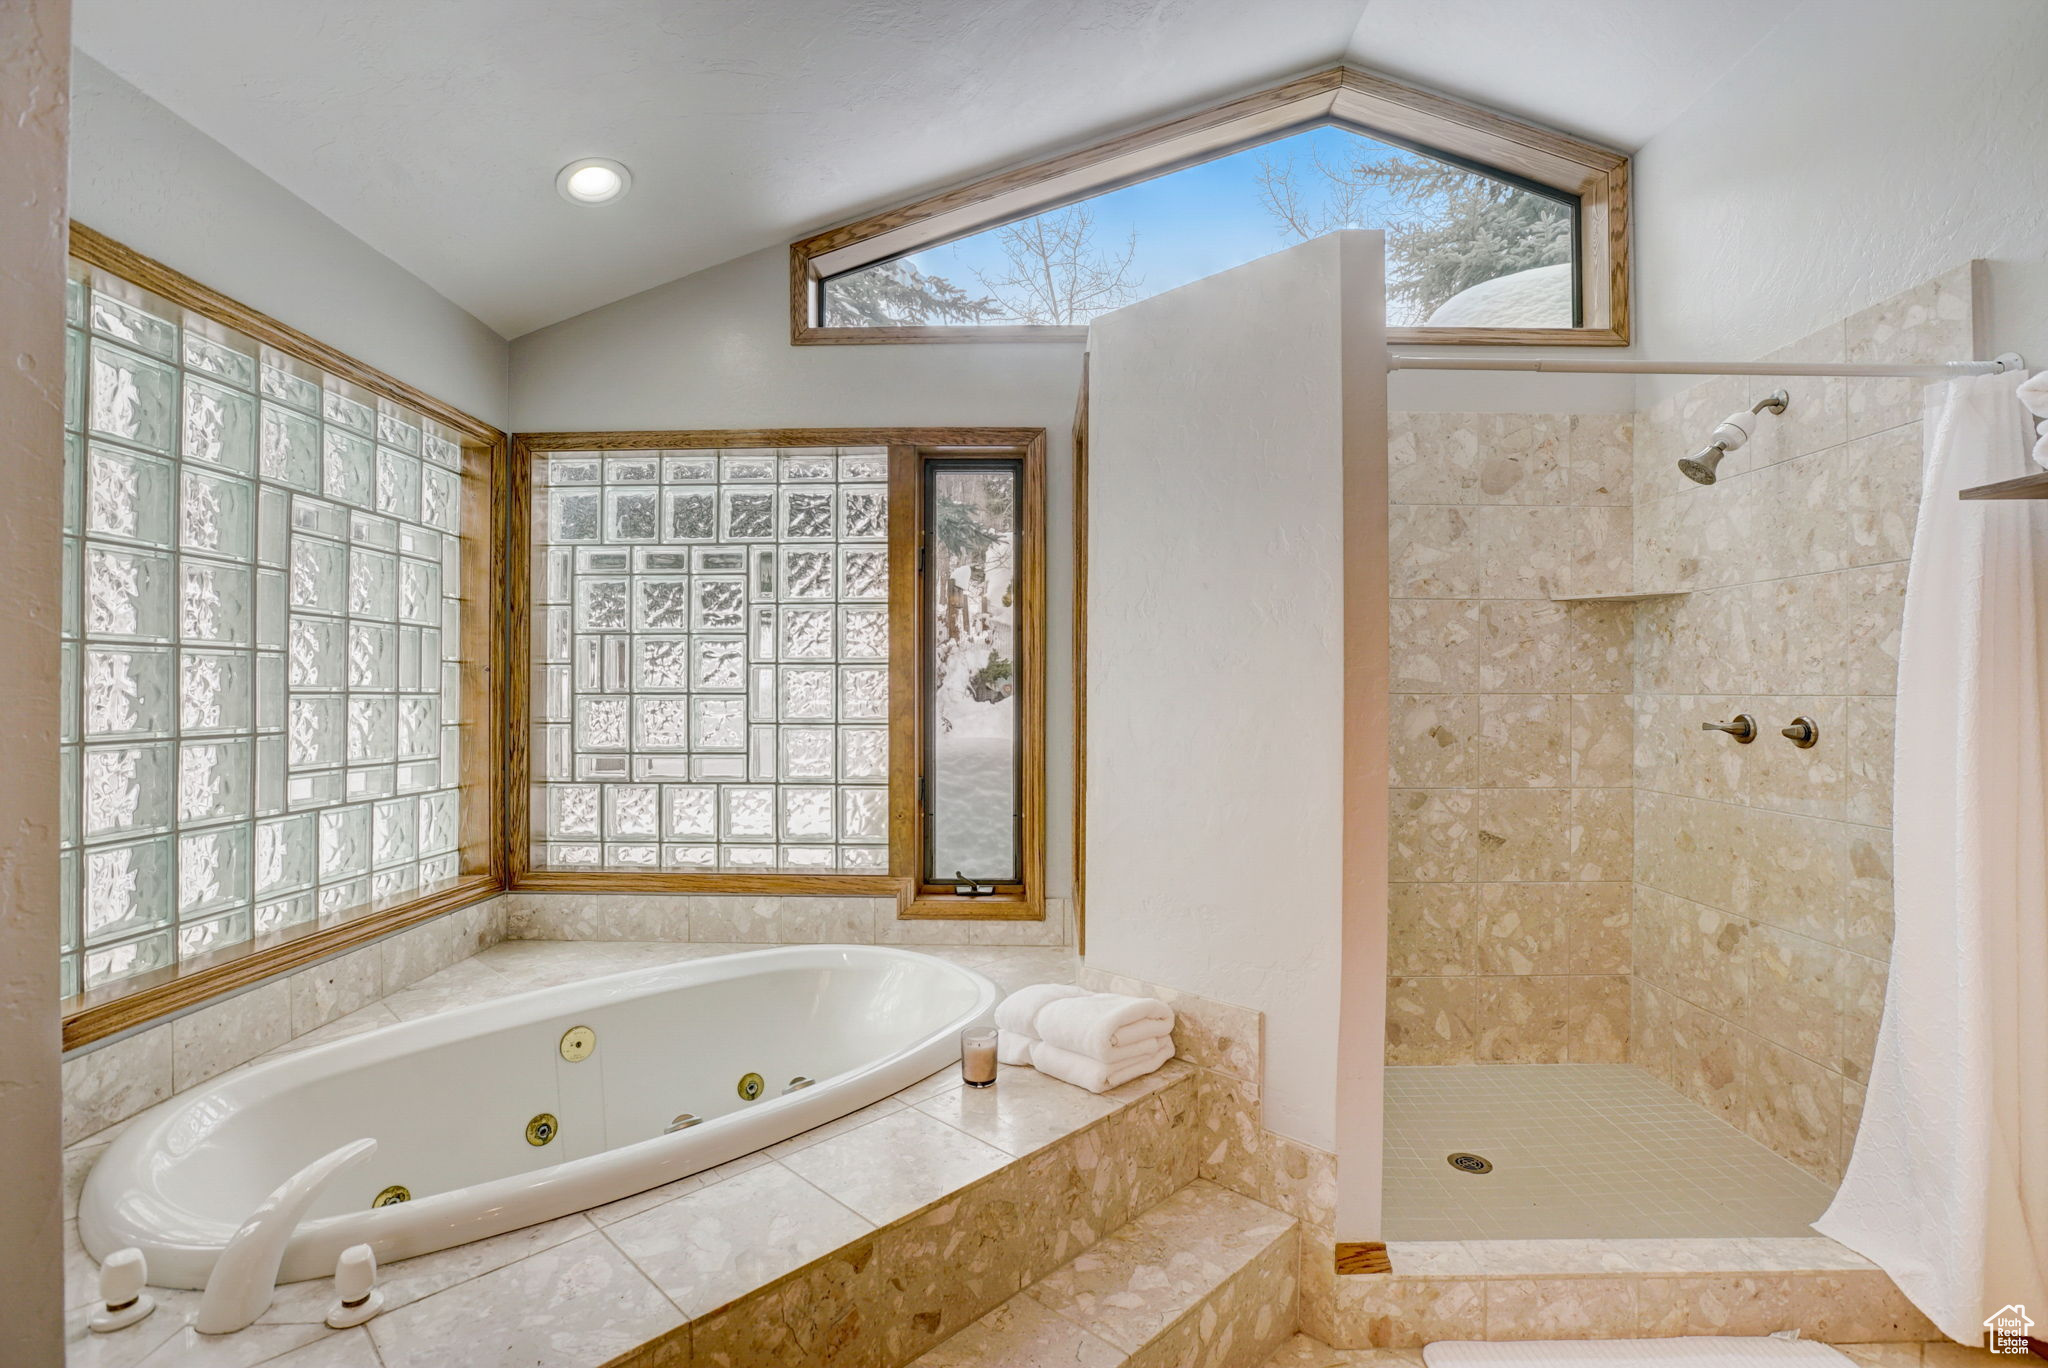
[(132, 1003), (1346, 97), (908, 448), (910, 714)]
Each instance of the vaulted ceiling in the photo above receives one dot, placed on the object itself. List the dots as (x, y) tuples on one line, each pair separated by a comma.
[(433, 131)]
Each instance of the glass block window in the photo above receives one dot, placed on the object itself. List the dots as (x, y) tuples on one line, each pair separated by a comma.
[(710, 686), (261, 627)]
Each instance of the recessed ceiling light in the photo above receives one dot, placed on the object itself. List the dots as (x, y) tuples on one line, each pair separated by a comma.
[(594, 180)]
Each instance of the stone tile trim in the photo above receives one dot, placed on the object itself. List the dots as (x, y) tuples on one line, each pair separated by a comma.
[(1206, 1277), (111, 1081), (1458, 1294), (1305, 1352), (1597, 1258), (728, 919)]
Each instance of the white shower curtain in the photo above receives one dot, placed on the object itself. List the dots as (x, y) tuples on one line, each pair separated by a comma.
[(1947, 1190)]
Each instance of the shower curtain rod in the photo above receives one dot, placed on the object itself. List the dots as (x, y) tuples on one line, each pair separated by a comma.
[(1941, 370)]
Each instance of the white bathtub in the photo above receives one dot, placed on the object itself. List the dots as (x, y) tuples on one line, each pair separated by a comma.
[(448, 1099)]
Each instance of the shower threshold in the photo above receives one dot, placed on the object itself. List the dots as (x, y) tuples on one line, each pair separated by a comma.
[(1577, 1151)]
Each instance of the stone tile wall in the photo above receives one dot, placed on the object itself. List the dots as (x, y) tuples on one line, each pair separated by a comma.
[(1763, 872), (1510, 746), (107, 1083), (729, 918)]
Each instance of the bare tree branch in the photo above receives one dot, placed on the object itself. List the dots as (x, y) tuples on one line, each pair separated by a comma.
[(1447, 228), (1056, 273)]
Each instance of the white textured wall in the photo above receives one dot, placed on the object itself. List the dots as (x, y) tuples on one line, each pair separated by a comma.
[(34, 43), (1216, 656), (144, 176), (712, 351), (1865, 146)]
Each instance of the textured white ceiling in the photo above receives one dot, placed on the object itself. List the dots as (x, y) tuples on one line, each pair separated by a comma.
[(1613, 71), (433, 131)]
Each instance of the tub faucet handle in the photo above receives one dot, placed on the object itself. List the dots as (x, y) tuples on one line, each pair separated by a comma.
[(1743, 728), (356, 1294), (123, 1301)]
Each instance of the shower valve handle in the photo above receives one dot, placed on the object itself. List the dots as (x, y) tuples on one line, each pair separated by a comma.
[(1743, 728)]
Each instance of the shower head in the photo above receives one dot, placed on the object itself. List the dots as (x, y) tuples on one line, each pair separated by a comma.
[(1699, 467), (1730, 434)]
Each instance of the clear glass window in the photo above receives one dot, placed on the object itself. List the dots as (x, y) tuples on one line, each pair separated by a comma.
[(1465, 248), (973, 769)]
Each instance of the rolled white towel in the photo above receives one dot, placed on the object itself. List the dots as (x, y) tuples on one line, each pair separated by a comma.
[(1013, 1048), (1017, 1014), (1102, 1023), (2034, 394), (1093, 1074)]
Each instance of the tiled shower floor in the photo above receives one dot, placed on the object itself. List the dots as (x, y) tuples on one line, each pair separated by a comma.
[(1579, 1151)]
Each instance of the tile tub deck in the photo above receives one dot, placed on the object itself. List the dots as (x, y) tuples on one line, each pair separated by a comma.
[(644, 1276)]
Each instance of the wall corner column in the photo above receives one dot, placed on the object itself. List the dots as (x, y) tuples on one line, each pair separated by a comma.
[(35, 36), (1362, 1007)]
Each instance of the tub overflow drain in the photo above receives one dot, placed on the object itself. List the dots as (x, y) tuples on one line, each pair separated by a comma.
[(577, 1043), (1469, 1163)]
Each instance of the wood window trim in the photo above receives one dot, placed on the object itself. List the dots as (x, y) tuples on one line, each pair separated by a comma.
[(898, 883), (1345, 96), (1080, 898), (910, 718), (100, 1013)]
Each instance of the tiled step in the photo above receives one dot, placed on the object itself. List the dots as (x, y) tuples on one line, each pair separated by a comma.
[(1205, 1279), (1300, 1351)]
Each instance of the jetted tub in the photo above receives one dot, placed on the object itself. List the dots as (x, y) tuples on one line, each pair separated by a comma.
[(450, 1098)]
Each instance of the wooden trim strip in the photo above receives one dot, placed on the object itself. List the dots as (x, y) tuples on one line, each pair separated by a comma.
[(141, 1001), (97, 249), (1347, 96), (1396, 337), (713, 439), (485, 494), (1099, 165), (1080, 876), (1363, 1256), (906, 666), (932, 907), (515, 682), (680, 882), (908, 447)]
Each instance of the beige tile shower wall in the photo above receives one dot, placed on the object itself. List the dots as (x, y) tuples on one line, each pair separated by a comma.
[(1763, 872), (1510, 747)]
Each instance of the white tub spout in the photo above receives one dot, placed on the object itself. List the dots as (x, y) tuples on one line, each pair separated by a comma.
[(245, 1277)]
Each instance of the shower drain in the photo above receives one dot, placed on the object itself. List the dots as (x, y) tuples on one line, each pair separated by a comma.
[(1469, 1163)]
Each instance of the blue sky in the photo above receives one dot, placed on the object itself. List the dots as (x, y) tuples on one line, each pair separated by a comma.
[(1190, 223)]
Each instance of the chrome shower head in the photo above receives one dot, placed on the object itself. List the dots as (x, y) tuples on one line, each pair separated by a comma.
[(1699, 467)]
